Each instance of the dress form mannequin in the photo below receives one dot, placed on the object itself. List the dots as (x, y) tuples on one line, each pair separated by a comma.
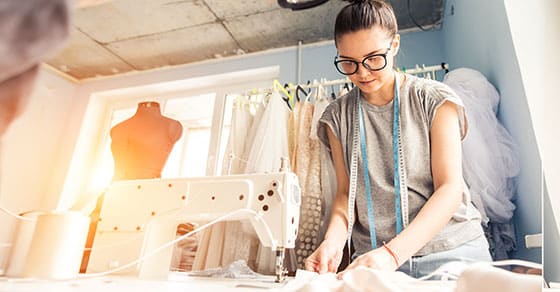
[(141, 144)]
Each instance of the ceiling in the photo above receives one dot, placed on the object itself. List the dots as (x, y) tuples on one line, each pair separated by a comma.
[(112, 37)]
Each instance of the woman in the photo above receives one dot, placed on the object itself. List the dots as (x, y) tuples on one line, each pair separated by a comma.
[(406, 165)]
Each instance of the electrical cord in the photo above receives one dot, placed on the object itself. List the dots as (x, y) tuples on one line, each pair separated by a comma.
[(294, 5), (143, 258), (172, 242), (446, 274), (23, 218)]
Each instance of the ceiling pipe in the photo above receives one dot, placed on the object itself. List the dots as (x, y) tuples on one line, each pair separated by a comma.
[(300, 4)]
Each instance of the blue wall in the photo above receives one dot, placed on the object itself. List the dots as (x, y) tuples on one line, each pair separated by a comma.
[(477, 36)]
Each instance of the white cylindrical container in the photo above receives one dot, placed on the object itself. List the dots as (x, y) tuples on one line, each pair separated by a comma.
[(57, 246), (21, 244)]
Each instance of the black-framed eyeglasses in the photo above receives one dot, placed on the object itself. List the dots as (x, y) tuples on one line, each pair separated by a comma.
[(374, 62)]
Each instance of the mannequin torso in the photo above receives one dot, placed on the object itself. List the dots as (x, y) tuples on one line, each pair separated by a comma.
[(142, 144)]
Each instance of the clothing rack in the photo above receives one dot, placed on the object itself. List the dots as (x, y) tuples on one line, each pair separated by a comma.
[(425, 69), (418, 69)]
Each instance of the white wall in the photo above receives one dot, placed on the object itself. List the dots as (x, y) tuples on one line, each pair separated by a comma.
[(30, 149), (535, 30)]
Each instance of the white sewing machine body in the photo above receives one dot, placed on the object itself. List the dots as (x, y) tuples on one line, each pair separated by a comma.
[(139, 216)]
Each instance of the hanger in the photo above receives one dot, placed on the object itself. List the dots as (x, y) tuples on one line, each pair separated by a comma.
[(333, 94), (300, 89), (309, 87), (288, 87), (288, 98)]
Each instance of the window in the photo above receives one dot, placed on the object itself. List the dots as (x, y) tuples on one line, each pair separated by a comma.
[(205, 114)]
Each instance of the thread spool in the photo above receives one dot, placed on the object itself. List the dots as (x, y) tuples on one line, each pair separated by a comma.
[(21, 243), (57, 246)]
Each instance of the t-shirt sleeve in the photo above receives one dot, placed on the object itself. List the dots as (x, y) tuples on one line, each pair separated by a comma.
[(436, 95), (329, 119)]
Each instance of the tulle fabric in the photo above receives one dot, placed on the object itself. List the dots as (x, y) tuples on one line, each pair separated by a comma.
[(490, 160)]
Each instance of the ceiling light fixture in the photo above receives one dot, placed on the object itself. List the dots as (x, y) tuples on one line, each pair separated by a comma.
[(300, 4)]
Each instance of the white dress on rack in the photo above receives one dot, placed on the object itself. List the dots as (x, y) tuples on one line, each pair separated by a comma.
[(270, 142), (235, 159), (243, 242)]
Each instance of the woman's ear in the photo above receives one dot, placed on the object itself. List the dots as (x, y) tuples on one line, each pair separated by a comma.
[(396, 44)]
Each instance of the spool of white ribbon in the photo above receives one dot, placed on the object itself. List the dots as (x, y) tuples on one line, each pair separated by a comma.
[(57, 246)]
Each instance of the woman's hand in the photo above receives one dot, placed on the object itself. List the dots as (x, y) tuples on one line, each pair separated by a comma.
[(379, 259), (325, 259)]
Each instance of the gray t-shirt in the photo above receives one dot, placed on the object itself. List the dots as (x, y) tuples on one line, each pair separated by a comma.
[(419, 100)]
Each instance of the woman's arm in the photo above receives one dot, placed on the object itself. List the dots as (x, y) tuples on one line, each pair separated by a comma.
[(446, 158), (338, 226)]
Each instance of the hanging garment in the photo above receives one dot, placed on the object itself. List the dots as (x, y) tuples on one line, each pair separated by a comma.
[(242, 238), (293, 127), (327, 174), (308, 170), (501, 239), (490, 162), (258, 110), (271, 138), (235, 160)]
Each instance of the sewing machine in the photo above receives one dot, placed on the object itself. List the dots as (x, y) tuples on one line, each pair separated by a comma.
[(139, 216)]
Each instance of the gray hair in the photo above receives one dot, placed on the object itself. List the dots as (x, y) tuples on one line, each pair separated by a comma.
[(30, 30)]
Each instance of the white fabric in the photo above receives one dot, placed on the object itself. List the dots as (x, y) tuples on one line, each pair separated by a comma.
[(234, 159), (271, 138), (258, 110), (364, 279), (490, 160), (240, 235), (486, 278)]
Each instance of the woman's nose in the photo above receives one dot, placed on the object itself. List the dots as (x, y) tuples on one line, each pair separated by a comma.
[(362, 71)]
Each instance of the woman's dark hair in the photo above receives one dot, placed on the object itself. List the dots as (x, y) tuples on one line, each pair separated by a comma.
[(364, 14)]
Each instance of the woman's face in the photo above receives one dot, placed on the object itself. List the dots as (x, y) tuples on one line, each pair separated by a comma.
[(362, 44)]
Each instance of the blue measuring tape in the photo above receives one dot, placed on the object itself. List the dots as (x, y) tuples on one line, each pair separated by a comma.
[(397, 182)]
